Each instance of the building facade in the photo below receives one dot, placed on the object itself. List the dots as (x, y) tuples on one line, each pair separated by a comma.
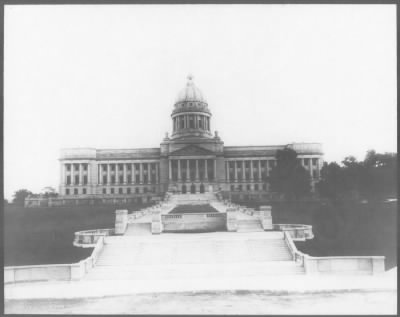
[(191, 160)]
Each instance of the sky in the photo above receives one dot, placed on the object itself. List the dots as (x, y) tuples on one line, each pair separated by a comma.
[(106, 76)]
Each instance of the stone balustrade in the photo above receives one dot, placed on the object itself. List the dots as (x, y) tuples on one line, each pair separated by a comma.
[(156, 224), (297, 232), (193, 222), (88, 238), (336, 264), (53, 272)]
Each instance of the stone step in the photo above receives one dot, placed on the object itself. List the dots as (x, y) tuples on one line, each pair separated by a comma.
[(187, 271), (138, 229)]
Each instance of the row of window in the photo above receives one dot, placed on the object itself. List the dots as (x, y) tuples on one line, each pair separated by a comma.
[(145, 180), (75, 167), (240, 187), (75, 180), (120, 166), (120, 190)]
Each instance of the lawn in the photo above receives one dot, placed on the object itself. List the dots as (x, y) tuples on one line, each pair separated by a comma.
[(45, 235)]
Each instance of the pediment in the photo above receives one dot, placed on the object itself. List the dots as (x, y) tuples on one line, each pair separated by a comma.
[(191, 150)]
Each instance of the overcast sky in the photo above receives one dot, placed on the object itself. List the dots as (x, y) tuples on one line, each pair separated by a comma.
[(106, 76)]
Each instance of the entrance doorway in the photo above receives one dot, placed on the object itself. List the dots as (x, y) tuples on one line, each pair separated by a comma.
[(184, 189), (193, 189), (201, 189)]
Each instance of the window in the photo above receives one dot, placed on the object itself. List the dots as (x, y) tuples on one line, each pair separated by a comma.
[(84, 167), (85, 179), (68, 167), (121, 179), (112, 190), (144, 189), (137, 190), (105, 179), (76, 179), (120, 191), (314, 161), (129, 179), (191, 122), (68, 180), (248, 187), (264, 186), (113, 179), (75, 191), (255, 186), (306, 161), (128, 190), (104, 191), (240, 188), (128, 167), (67, 191), (232, 188), (84, 191), (104, 168)]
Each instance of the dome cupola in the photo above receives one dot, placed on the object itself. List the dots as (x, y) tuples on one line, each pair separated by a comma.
[(191, 116)]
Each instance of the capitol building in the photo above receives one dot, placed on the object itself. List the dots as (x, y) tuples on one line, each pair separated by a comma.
[(191, 160)]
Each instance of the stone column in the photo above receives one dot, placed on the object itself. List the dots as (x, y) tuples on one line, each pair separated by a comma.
[(236, 172), (116, 171), (125, 174), (251, 171), (243, 170), (133, 175), (141, 173), (259, 170), (188, 178), (310, 167), (88, 174), (170, 170), (205, 170), (197, 169), (227, 171), (149, 173), (215, 170), (179, 171), (267, 167), (157, 177), (100, 174), (108, 174), (80, 174)]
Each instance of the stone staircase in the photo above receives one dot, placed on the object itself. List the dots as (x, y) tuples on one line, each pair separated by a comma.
[(249, 225), (208, 255)]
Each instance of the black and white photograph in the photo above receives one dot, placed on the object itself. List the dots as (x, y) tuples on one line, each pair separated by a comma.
[(208, 159)]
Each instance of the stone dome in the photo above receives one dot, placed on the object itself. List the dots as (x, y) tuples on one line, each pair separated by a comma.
[(190, 92)]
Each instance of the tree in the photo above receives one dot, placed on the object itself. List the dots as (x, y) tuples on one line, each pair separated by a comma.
[(49, 192), (20, 195), (373, 178), (288, 176)]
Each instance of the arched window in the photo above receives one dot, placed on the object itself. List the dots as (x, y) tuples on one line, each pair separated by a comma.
[(191, 122)]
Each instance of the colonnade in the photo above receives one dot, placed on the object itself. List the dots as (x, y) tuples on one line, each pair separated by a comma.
[(192, 169), (191, 121), (247, 170), (128, 173)]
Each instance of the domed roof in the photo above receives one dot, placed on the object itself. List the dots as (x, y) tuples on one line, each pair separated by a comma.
[(190, 92)]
